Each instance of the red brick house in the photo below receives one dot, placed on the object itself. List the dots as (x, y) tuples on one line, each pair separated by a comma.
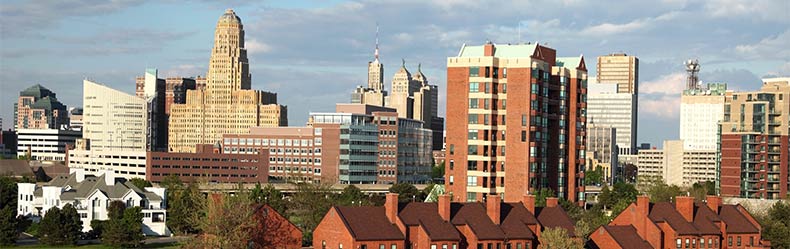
[(445, 225), (683, 224)]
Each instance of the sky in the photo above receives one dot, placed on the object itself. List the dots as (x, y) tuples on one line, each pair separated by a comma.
[(313, 53)]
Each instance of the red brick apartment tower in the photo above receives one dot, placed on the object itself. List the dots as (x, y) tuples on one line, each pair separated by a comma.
[(515, 122), (754, 142)]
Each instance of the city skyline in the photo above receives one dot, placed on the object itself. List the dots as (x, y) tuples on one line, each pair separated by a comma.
[(286, 57)]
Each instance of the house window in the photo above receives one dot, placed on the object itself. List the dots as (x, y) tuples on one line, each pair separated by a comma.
[(518, 245), (381, 246), (739, 241), (444, 246), (751, 239), (340, 246), (363, 246), (393, 246), (678, 243), (729, 241), (687, 243), (433, 246)]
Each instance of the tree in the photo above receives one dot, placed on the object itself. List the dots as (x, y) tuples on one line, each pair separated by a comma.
[(406, 192), (776, 225), (309, 204), (629, 173), (541, 195), (437, 171), (352, 195), (140, 183), (659, 191), (125, 226), (60, 226), (184, 208), (228, 223), (594, 177), (557, 238), (8, 226), (269, 195)]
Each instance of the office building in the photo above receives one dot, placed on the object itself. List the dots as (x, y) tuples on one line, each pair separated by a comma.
[(39, 108), (91, 194), (226, 105), (8, 144), (701, 109), (357, 144), (602, 150), (443, 224), (45, 144), (115, 134), (753, 143), (682, 224), (619, 69), (608, 107), (516, 122), (676, 165), (75, 118), (208, 164), (175, 90)]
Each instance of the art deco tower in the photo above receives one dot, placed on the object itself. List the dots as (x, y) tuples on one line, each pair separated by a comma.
[(226, 105)]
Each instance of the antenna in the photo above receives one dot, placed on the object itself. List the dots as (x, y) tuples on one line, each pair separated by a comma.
[(376, 54)]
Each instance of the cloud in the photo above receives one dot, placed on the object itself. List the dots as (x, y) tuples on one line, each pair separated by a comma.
[(668, 84), (606, 29), (761, 10), (184, 70), (25, 17), (254, 46), (661, 97), (772, 47)]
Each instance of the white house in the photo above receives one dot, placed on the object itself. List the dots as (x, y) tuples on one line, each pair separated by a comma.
[(91, 195)]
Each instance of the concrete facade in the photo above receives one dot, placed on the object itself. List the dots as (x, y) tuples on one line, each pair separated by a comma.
[(700, 113), (516, 122), (618, 110), (45, 144), (676, 165), (226, 105)]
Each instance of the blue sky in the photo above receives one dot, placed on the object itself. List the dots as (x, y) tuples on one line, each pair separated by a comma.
[(313, 53)]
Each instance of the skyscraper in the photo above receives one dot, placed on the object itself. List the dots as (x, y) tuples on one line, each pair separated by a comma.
[(39, 108), (753, 147), (226, 105), (516, 122), (621, 71)]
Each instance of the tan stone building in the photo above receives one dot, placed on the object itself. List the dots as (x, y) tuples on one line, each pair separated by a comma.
[(226, 105), (620, 69)]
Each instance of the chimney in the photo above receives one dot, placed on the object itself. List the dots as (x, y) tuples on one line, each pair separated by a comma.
[(685, 206), (713, 202), (78, 173), (109, 177), (529, 203), (391, 207), (493, 203), (488, 49), (444, 207), (643, 205), (551, 201)]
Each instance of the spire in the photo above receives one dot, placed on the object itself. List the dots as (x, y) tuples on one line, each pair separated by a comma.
[(403, 63), (419, 65), (376, 54)]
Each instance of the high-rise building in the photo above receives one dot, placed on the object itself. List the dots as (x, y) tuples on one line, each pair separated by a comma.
[(516, 122), (754, 142), (608, 107), (602, 150), (75, 118), (226, 105), (115, 137), (701, 109), (357, 144), (39, 108), (619, 69), (175, 89)]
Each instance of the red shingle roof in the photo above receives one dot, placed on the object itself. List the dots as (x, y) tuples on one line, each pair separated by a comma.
[(736, 222), (627, 237), (704, 218), (665, 212), (551, 217), (474, 215), (427, 215), (515, 218), (369, 223)]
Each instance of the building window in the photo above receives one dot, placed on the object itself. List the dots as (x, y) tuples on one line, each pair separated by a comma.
[(452, 180), (751, 239), (472, 197), (678, 243), (471, 181), (433, 246), (452, 164), (473, 119), (739, 241), (523, 136), (340, 246), (472, 150), (523, 120), (504, 72), (474, 71), (729, 241), (363, 247), (474, 87), (393, 246), (381, 246), (473, 103)]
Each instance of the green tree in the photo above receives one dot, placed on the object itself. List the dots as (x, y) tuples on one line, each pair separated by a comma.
[(594, 177), (184, 208), (605, 198), (125, 226), (541, 195), (171, 182), (437, 171), (8, 226), (352, 195), (661, 192), (140, 183), (308, 206), (558, 238), (406, 192), (269, 195), (60, 226), (228, 222), (776, 225)]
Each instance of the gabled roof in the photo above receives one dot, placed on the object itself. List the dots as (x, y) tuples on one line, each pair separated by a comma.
[(515, 218), (736, 222), (704, 218), (368, 223), (551, 217), (626, 237), (665, 212), (572, 62), (474, 215), (83, 189), (426, 214)]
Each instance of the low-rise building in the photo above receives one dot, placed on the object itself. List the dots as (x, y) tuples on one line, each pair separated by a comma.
[(682, 224), (442, 224), (210, 164), (676, 165), (91, 195), (45, 144)]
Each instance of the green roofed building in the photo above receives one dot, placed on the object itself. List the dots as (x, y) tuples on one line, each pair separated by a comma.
[(39, 108)]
